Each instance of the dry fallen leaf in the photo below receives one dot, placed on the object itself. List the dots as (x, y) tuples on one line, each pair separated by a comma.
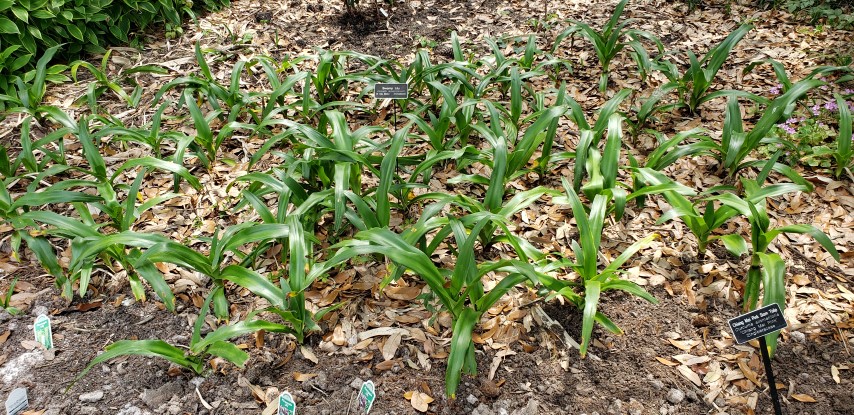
[(684, 345), (690, 375), (419, 400), (302, 377), (748, 372), (308, 354), (388, 364), (666, 361), (801, 397), (402, 293), (4, 336), (834, 371), (30, 344), (390, 346)]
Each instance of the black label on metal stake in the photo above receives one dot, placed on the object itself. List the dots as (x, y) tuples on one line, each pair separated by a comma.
[(757, 323), (391, 91)]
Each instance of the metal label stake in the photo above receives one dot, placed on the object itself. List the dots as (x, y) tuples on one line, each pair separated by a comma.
[(758, 324), (392, 91)]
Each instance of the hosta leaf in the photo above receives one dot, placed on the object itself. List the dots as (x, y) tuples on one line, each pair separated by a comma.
[(7, 26)]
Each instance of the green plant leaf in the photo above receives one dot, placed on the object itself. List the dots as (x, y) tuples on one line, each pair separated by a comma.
[(7, 26), (461, 343), (810, 230), (228, 351), (774, 282), (592, 289), (238, 329), (152, 348), (735, 244)]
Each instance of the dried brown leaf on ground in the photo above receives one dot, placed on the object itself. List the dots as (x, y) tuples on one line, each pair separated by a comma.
[(419, 400)]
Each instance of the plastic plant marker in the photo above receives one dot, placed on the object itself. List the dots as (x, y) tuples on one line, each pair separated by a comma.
[(287, 406), (43, 332), (758, 324), (367, 396), (17, 401), (391, 91)]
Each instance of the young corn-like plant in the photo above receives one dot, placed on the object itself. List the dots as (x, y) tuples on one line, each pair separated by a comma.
[(736, 144), (213, 265), (609, 42), (30, 91), (594, 281), (460, 290), (843, 153), (199, 350), (506, 166), (288, 298), (102, 83), (84, 234), (14, 212), (693, 86), (122, 214), (52, 146), (590, 136), (767, 270), (704, 217), (227, 101), (151, 135)]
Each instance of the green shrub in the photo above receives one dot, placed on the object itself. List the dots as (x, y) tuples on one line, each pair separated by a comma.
[(29, 27)]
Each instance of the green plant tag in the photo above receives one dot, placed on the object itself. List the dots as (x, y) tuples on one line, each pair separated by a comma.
[(367, 396), (17, 401), (287, 406), (43, 333)]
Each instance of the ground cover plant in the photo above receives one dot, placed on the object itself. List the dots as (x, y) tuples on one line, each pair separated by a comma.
[(288, 186)]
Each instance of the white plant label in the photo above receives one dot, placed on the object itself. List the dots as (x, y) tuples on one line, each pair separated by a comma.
[(17, 402)]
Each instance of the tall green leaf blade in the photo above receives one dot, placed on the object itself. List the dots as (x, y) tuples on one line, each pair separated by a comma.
[(238, 329), (228, 351), (592, 289), (387, 168), (159, 164), (256, 283), (151, 348), (774, 282), (461, 342), (843, 151), (810, 230), (611, 156)]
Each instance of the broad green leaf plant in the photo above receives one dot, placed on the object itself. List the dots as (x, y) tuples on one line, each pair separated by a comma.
[(460, 290), (594, 280)]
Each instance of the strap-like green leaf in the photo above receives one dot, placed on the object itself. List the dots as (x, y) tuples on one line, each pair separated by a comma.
[(592, 290)]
